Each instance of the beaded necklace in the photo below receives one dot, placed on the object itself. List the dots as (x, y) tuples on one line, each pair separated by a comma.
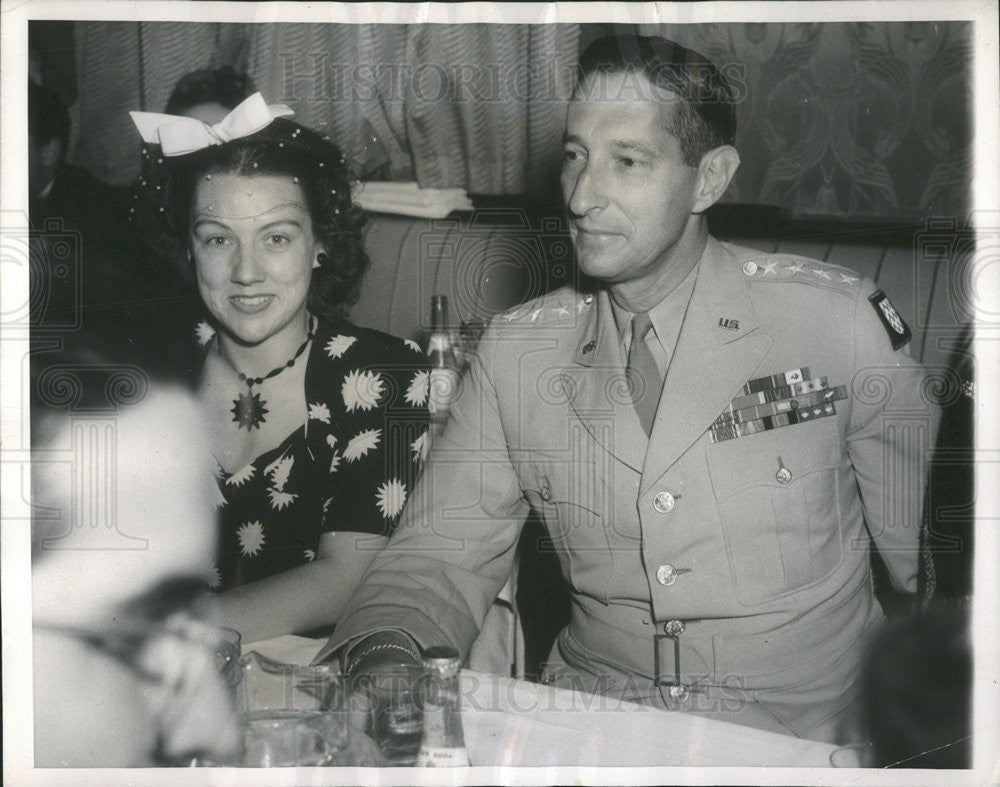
[(249, 409)]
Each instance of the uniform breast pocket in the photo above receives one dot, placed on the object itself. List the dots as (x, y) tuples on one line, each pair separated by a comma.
[(778, 500), (569, 504)]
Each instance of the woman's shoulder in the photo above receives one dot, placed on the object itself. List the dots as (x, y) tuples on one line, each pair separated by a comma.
[(356, 344)]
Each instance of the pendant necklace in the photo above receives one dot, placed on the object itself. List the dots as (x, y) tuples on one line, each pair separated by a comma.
[(249, 409)]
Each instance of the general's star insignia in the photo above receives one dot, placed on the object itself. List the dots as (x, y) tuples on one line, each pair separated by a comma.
[(796, 268), (820, 273)]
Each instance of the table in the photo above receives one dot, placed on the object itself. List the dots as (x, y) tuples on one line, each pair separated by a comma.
[(510, 722)]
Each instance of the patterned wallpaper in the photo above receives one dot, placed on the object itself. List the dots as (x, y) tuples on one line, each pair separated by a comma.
[(864, 120), (857, 119)]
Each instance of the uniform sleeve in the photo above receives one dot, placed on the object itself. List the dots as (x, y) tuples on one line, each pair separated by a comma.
[(378, 454), (455, 544), (892, 431)]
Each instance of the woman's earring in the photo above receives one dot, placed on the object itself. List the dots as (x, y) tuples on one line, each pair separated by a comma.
[(321, 260)]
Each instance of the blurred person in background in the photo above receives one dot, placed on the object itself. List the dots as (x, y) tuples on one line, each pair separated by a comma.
[(318, 426), (125, 672), (917, 691), (209, 94)]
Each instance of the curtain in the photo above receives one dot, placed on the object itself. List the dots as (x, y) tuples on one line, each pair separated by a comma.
[(478, 107), (864, 120)]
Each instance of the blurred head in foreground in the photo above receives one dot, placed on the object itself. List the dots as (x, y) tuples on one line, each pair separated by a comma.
[(122, 545)]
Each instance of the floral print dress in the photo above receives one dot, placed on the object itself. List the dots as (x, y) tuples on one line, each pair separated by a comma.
[(348, 468)]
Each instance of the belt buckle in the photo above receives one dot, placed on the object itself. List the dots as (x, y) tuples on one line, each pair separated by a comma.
[(658, 679), (677, 690)]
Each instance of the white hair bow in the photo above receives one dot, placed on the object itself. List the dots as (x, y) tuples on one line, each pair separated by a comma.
[(177, 135)]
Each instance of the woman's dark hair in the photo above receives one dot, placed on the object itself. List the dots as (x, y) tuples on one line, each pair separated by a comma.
[(167, 187), (223, 86), (705, 116)]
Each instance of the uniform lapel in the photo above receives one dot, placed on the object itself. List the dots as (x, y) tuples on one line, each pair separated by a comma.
[(711, 362), (596, 386)]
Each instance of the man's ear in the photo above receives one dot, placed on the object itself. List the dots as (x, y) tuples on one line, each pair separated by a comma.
[(715, 171), (51, 152)]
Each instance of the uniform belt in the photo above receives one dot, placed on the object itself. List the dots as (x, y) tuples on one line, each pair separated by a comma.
[(689, 652)]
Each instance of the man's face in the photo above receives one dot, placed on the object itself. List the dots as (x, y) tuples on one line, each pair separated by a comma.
[(627, 192), (138, 699)]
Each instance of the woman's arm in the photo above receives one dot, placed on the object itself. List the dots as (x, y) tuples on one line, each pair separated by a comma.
[(305, 597)]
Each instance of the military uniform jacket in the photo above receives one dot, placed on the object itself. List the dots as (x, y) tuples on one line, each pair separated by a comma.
[(730, 548)]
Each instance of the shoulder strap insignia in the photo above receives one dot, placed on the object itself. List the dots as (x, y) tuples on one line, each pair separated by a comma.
[(899, 331)]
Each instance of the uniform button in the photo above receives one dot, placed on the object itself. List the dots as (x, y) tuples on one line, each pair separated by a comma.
[(750, 268), (666, 574), (588, 298), (546, 494), (663, 502), (784, 475), (589, 347), (679, 693), (673, 628), (547, 679)]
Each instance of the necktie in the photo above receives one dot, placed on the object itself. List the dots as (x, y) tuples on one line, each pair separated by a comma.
[(642, 372)]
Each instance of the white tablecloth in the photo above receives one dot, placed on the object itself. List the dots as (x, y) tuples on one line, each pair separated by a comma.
[(516, 723)]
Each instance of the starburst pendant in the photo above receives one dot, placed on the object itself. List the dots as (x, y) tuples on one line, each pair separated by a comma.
[(249, 410)]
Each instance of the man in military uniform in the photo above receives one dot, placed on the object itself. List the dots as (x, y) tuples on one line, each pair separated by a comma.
[(710, 433)]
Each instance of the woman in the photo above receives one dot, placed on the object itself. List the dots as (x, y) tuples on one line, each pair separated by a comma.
[(320, 424)]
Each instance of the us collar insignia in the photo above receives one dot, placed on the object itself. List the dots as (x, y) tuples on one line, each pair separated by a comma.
[(899, 331)]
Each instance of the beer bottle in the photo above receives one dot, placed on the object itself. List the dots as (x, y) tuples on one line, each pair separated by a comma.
[(442, 743), (444, 367)]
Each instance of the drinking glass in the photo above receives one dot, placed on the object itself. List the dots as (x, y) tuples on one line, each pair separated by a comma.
[(396, 711)]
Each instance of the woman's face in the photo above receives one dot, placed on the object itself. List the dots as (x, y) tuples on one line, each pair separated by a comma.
[(254, 250)]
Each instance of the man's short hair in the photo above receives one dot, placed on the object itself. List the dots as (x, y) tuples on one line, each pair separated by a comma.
[(48, 117), (705, 116)]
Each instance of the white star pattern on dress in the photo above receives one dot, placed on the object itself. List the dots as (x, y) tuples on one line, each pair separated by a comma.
[(390, 498), (204, 332), (361, 444), (420, 447), (279, 470), (251, 538), (331, 440), (280, 500), (220, 499), (848, 279), (413, 346), (335, 461), (822, 274), (361, 390), (796, 268), (320, 412), (215, 578), (338, 345), (416, 392), (242, 475), (769, 267)]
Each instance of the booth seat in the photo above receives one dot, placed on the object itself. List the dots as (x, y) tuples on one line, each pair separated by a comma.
[(493, 258)]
